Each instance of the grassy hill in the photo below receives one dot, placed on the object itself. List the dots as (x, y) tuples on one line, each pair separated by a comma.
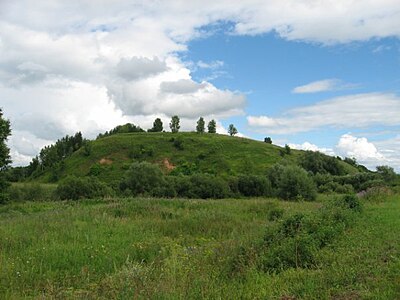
[(109, 157)]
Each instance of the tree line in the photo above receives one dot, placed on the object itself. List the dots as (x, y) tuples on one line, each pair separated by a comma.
[(174, 126)]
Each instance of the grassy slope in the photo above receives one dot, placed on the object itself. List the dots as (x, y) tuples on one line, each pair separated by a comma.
[(182, 249), (212, 153)]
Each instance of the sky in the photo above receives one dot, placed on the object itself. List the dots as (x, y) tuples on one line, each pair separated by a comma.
[(318, 75)]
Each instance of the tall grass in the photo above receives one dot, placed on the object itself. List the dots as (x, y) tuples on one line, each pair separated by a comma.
[(185, 249)]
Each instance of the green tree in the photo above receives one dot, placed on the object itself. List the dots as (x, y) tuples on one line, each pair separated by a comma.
[(5, 131), (268, 140), (287, 149), (212, 126), (232, 130), (143, 178), (387, 173), (200, 128), (292, 183), (157, 126), (174, 125)]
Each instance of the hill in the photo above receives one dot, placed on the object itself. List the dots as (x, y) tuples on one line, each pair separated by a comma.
[(178, 153)]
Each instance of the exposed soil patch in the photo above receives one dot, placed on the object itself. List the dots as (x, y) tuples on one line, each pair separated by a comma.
[(105, 161), (168, 165)]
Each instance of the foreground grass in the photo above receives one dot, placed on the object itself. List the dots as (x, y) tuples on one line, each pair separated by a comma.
[(179, 249)]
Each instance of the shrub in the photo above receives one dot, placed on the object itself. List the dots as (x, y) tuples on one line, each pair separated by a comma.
[(208, 186), (294, 242), (377, 194), (74, 188), (233, 183), (317, 162), (143, 178), (31, 192), (352, 202), (181, 185), (294, 183), (275, 214), (178, 144), (344, 189), (358, 181), (252, 185), (4, 185), (166, 190)]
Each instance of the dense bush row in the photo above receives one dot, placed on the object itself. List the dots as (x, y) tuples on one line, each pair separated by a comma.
[(285, 181), (145, 179)]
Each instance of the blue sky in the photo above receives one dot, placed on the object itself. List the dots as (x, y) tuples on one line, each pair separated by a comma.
[(317, 75), (268, 69)]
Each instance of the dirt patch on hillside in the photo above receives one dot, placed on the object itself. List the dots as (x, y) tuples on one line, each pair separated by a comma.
[(105, 161), (168, 165)]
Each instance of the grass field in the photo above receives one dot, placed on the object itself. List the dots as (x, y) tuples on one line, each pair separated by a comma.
[(184, 249)]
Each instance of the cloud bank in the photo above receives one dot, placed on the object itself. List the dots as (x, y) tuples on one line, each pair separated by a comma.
[(84, 65), (353, 111)]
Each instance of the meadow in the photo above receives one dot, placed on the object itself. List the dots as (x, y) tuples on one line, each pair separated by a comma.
[(139, 248)]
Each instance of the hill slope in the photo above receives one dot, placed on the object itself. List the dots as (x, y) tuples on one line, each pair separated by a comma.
[(109, 157)]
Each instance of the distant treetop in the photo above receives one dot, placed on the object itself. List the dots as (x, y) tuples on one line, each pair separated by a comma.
[(127, 128)]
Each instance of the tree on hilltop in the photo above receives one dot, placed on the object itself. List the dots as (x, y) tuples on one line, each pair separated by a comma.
[(157, 126), (212, 126), (232, 130), (200, 128), (174, 125)]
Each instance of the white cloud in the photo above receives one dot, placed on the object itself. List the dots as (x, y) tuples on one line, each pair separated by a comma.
[(317, 86), (211, 65), (390, 149), (369, 154), (358, 147), (353, 111), (140, 67), (182, 86), (311, 147), (84, 65)]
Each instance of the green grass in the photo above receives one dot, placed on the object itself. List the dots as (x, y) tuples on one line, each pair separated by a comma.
[(110, 157), (185, 249)]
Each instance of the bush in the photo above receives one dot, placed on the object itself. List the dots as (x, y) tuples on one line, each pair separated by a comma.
[(377, 194), (31, 192), (294, 183), (275, 214), (317, 162), (352, 202), (4, 184), (294, 242), (358, 181), (143, 178), (74, 188), (208, 186), (254, 186), (166, 190)]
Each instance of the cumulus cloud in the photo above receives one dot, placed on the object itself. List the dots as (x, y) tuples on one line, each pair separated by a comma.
[(362, 150), (80, 65), (358, 147), (354, 111), (182, 86), (140, 67), (367, 153)]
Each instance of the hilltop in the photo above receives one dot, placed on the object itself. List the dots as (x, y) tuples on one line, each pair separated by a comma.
[(178, 153)]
